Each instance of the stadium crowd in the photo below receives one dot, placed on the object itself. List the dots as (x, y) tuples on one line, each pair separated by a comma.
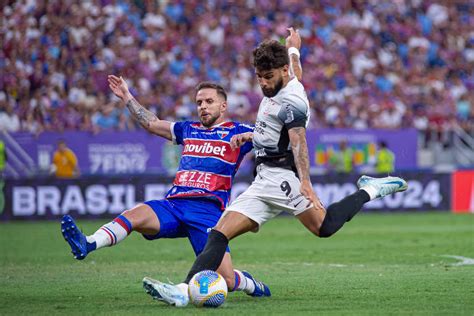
[(383, 64)]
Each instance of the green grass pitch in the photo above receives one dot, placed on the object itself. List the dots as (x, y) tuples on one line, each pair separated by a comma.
[(378, 264)]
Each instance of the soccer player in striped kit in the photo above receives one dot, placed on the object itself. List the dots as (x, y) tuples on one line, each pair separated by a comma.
[(201, 188), (200, 192)]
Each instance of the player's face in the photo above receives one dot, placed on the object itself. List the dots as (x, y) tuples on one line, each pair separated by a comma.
[(211, 107), (271, 81)]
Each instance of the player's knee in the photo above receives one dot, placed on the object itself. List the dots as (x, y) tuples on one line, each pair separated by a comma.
[(315, 229), (326, 230), (331, 222), (320, 231)]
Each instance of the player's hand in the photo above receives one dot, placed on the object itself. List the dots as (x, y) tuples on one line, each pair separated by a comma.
[(238, 140), (294, 39), (119, 87), (306, 189)]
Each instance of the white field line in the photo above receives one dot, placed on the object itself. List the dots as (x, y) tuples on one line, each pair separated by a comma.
[(463, 261)]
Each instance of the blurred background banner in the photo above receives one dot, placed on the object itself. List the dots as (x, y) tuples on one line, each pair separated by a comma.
[(137, 152), (92, 197), (132, 152), (323, 143)]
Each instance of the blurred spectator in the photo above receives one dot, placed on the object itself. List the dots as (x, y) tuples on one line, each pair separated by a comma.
[(341, 160), (366, 63), (65, 164), (9, 120), (385, 161), (106, 118)]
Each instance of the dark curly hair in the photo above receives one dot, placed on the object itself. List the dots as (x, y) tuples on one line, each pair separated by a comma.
[(270, 54), (211, 85)]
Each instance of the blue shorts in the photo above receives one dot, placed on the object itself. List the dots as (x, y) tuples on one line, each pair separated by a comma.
[(192, 218)]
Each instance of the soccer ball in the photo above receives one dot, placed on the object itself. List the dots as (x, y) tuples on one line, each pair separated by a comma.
[(207, 288)]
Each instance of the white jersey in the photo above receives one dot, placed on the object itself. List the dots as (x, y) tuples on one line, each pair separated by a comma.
[(276, 115), (276, 189)]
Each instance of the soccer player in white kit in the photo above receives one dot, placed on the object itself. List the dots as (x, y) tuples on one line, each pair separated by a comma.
[(282, 181)]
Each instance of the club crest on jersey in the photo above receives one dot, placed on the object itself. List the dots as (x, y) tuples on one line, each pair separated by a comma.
[(222, 134)]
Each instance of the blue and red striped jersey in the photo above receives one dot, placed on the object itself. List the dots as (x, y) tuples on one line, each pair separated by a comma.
[(208, 164)]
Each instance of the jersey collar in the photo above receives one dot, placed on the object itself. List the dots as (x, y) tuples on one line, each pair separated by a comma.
[(223, 124)]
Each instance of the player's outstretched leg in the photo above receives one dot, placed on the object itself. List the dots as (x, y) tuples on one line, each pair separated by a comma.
[(141, 218), (173, 294), (369, 189), (108, 235)]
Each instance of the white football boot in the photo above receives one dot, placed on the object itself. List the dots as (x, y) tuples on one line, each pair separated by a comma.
[(380, 187), (168, 293)]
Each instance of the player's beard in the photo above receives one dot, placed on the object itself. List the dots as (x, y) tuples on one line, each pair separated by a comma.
[(269, 93), (209, 120)]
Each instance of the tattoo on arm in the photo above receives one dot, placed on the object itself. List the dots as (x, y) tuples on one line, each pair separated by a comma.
[(142, 115), (300, 152)]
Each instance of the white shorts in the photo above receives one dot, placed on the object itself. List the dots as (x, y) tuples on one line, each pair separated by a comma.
[(273, 191)]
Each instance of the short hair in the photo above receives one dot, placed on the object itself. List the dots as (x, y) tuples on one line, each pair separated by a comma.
[(270, 54), (211, 85)]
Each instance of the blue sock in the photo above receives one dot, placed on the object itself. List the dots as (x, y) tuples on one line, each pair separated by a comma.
[(91, 246)]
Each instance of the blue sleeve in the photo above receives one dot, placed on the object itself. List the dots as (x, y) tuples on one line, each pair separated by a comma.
[(244, 128), (246, 148), (178, 132)]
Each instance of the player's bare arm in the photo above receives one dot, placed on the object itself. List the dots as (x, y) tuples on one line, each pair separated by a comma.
[(238, 140), (300, 151), (146, 118), (299, 148), (294, 40)]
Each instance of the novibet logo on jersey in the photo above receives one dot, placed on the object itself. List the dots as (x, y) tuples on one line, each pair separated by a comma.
[(206, 148)]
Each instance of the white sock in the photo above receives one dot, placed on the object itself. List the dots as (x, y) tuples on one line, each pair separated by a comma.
[(371, 191), (243, 283), (108, 235)]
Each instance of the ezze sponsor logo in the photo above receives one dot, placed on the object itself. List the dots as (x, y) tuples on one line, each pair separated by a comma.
[(202, 180)]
